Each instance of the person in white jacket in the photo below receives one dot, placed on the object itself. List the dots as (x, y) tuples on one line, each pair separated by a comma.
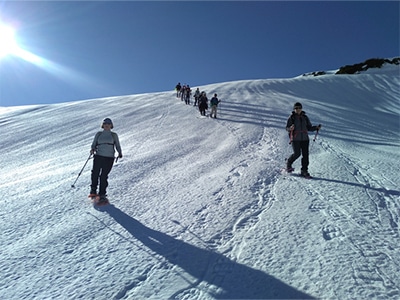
[(103, 148)]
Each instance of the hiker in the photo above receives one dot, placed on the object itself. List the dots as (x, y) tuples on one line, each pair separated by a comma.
[(183, 92), (178, 89), (214, 103), (196, 96), (203, 103), (188, 93), (298, 125), (103, 148)]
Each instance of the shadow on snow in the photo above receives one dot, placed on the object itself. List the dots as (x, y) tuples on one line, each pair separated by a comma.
[(231, 279), (365, 186)]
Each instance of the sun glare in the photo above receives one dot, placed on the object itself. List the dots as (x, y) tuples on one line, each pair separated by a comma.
[(8, 44), (9, 47)]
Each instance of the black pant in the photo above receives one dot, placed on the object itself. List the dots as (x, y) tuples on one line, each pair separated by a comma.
[(101, 168), (202, 108), (299, 148)]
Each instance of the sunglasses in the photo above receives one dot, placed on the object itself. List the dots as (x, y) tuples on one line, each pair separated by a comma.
[(297, 107)]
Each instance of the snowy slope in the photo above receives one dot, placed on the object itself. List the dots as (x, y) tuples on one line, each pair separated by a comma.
[(199, 208)]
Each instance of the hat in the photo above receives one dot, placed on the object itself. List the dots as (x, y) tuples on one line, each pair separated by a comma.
[(107, 121), (297, 104)]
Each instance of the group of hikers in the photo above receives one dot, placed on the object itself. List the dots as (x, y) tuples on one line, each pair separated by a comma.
[(106, 142), (200, 99)]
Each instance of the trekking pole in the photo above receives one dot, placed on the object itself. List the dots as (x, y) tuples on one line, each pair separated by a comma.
[(316, 134), (90, 156), (315, 137)]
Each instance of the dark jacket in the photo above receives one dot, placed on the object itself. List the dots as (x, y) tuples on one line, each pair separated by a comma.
[(301, 124), (214, 101), (203, 102)]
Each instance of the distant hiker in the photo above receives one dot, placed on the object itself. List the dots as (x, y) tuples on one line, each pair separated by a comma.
[(178, 89), (103, 148), (214, 103), (203, 103), (183, 92), (188, 93), (196, 96), (298, 125)]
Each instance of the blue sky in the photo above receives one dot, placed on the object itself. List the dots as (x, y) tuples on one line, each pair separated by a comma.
[(89, 50)]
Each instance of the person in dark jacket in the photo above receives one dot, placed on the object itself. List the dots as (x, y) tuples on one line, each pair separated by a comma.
[(196, 96), (188, 93), (203, 103), (103, 148), (298, 125), (178, 89), (214, 104)]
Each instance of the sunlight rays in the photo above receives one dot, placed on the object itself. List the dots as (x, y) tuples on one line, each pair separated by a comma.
[(11, 50), (8, 44)]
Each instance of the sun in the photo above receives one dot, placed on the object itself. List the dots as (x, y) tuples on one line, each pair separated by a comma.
[(8, 44), (9, 47)]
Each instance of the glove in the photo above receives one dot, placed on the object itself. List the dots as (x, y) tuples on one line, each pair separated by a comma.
[(319, 126), (120, 155), (91, 151)]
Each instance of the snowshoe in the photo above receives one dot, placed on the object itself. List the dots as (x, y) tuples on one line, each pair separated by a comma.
[(102, 200), (93, 195)]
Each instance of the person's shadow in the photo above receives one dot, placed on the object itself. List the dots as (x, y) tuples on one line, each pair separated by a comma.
[(365, 186), (231, 280)]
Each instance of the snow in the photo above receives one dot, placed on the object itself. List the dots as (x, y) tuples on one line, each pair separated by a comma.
[(199, 207)]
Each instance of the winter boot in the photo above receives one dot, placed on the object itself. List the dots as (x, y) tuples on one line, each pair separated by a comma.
[(92, 194), (289, 169), (103, 199)]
